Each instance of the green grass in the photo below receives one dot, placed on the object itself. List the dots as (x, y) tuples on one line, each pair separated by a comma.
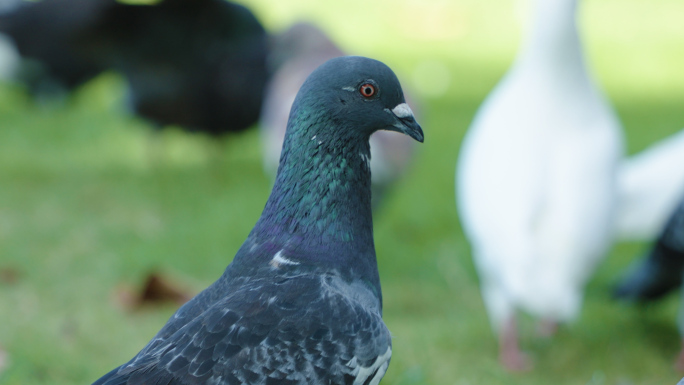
[(85, 209)]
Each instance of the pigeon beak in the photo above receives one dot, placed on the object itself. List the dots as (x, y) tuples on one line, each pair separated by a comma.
[(405, 122)]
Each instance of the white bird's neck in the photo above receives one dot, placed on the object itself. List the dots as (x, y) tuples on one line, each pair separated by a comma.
[(552, 40)]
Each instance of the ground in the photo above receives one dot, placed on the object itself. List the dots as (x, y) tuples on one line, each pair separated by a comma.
[(91, 202)]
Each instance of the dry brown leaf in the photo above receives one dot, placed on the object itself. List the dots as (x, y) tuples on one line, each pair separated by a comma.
[(9, 275), (156, 290)]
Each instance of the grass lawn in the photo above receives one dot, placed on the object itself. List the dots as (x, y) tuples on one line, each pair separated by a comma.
[(91, 202)]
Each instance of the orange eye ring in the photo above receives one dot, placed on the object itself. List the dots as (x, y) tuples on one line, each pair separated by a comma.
[(367, 90)]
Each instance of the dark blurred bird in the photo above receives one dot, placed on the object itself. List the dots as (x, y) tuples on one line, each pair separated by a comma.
[(295, 54), (649, 188), (660, 271), (198, 64), (536, 181), (301, 301), (50, 36)]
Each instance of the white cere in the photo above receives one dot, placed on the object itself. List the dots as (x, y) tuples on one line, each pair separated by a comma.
[(402, 111)]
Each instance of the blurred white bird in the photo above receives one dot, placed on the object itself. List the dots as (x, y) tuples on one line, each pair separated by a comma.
[(536, 180), (650, 184), (295, 54)]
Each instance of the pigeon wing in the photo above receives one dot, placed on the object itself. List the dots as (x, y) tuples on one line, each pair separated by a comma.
[(296, 331)]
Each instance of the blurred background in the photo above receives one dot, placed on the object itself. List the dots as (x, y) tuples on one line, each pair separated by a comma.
[(95, 201)]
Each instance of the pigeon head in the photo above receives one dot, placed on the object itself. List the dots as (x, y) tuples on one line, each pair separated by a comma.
[(361, 95), (320, 201)]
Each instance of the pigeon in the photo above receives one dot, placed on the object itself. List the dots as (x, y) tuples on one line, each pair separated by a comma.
[(648, 189), (301, 302), (660, 272), (294, 55), (536, 181)]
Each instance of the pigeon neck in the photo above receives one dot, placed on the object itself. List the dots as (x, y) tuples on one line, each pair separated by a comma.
[(321, 197), (553, 40)]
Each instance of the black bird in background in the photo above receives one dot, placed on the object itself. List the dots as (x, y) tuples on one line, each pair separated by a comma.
[(50, 37), (660, 272), (198, 64)]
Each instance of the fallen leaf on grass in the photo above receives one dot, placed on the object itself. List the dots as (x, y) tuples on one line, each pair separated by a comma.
[(156, 290), (9, 276)]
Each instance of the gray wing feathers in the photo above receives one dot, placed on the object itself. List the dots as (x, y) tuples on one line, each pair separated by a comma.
[(292, 332)]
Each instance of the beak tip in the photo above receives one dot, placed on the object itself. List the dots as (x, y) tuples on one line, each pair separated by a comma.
[(406, 123), (415, 132), (417, 135)]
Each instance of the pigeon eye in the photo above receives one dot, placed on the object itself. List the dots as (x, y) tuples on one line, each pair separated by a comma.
[(367, 90)]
